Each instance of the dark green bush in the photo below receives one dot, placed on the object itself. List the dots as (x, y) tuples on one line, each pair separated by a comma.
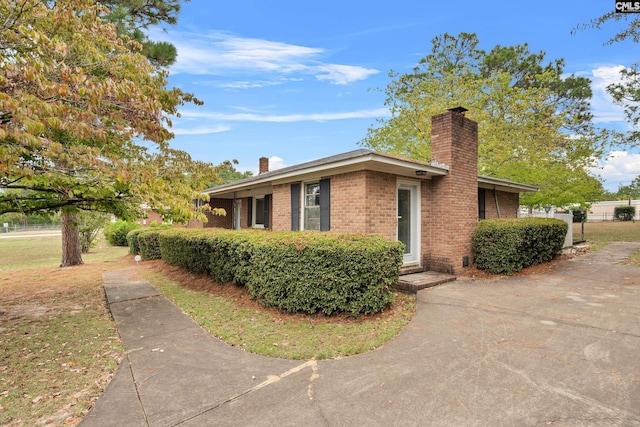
[(579, 215), (116, 232), (186, 248), (132, 240), (506, 246), (624, 213), (294, 272), (328, 273), (148, 244)]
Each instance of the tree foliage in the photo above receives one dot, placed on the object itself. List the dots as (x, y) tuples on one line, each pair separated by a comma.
[(534, 122), (85, 118), (625, 93), (626, 192), (227, 173), (134, 17)]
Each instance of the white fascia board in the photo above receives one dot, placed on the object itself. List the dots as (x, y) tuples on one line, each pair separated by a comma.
[(370, 161), (504, 185)]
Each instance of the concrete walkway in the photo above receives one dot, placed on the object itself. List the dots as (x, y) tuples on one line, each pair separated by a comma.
[(559, 348)]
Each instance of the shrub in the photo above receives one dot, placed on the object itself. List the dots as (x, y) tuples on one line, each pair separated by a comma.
[(506, 246), (327, 273), (186, 248), (148, 243), (132, 240), (624, 213), (579, 215), (116, 232), (88, 228), (294, 272)]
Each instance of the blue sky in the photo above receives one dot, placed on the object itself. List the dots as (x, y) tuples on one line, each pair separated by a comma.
[(296, 81)]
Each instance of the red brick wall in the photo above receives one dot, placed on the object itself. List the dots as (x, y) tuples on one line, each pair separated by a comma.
[(219, 221), (364, 202), (454, 197), (425, 223), (349, 202), (382, 196), (508, 203), (150, 217), (281, 207)]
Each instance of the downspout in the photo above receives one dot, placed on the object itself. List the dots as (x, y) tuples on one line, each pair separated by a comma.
[(495, 194)]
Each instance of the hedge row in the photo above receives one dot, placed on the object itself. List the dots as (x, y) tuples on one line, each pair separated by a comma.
[(506, 246), (116, 232), (294, 271), (624, 213)]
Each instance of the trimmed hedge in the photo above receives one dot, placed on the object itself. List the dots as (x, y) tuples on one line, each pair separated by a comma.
[(116, 232), (506, 246), (132, 240), (326, 273), (292, 271), (624, 213)]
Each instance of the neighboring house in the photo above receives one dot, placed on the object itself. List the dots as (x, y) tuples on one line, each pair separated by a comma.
[(433, 208), (603, 211)]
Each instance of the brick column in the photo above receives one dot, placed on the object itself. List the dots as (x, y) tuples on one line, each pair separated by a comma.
[(454, 197)]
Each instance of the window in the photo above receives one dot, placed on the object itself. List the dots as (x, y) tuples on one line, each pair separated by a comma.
[(312, 206), (259, 212), (481, 203)]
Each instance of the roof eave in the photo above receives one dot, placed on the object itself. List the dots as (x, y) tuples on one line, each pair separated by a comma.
[(504, 185), (368, 161)]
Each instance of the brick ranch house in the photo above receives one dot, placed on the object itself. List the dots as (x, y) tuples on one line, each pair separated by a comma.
[(433, 208)]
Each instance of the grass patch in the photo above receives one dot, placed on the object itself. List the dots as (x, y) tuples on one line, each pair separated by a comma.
[(227, 313), (58, 344), (601, 234)]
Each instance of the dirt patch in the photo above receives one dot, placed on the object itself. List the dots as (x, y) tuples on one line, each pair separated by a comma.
[(31, 310), (204, 283), (474, 273)]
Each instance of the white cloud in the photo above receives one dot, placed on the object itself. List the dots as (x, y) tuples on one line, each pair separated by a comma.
[(343, 74), (276, 162), (201, 130), (620, 169), (245, 84), (604, 110), (287, 118), (218, 53)]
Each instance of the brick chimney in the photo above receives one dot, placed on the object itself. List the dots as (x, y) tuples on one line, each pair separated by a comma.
[(454, 216), (264, 165)]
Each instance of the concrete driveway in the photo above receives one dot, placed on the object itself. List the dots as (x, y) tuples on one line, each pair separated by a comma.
[(560, 348)]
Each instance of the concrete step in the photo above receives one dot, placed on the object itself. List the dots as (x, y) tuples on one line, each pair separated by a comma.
[(414, 282)]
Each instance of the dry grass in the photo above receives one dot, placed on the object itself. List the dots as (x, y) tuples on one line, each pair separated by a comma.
[(605, 232), (59, 347), (601, 234)]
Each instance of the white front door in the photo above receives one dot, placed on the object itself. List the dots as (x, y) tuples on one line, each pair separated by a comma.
[(408, 214)]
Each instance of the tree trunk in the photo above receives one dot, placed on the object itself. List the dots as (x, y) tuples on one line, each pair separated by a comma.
[(71, 254)]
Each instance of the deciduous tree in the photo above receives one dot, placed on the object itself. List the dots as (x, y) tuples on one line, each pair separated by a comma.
[(534, 122), (625, 93), (84, 120)]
